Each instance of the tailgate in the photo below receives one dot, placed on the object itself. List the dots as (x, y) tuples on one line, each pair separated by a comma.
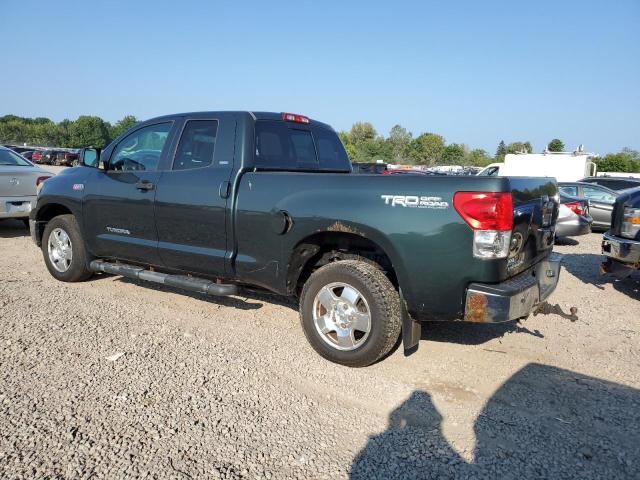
[(535, 211)]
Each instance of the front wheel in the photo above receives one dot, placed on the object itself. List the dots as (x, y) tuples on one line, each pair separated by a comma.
[(350, 313), (64, 252)]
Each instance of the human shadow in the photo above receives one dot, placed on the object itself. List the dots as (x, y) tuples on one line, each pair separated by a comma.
[(10, 228), (543, 422), (566, 241), (586, 268)]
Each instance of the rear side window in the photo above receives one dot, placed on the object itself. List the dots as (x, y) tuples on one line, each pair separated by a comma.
[(197, 145), (284, 146), (569, 190)]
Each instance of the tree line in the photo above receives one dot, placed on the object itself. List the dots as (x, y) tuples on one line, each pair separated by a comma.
[(85, 131), (362, 142)]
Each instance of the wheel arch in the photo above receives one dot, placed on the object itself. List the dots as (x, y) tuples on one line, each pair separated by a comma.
[(46, 213), (321, 248)]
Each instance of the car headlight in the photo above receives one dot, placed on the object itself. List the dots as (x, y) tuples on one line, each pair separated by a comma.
[(630, 222)]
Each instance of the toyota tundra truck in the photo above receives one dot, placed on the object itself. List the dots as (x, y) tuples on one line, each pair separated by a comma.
[(214, 202)]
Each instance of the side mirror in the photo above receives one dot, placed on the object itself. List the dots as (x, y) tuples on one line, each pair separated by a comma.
[(90, 157)]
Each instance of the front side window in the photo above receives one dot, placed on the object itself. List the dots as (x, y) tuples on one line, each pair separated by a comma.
[(141, 150), (9, 158), (598, 195), (196, 146)]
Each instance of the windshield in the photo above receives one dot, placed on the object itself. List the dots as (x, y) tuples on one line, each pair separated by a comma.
[(10, 158)]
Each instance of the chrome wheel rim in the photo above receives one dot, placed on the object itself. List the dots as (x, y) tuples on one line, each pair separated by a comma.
[(60, 250), (342, 316)]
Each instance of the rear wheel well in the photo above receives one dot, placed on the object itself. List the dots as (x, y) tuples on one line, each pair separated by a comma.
[(323, 248)]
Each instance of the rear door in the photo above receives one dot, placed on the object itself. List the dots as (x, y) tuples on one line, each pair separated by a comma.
[(600, 205), (118, 208), (192, 197)]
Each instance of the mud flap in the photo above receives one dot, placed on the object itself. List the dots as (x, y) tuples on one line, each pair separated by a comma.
[(411, 330)]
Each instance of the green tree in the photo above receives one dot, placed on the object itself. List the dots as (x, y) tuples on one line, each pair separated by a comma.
[(122, 126), (361, 132), (626, 161), (89, 131), (453, 154), (427, 149), (399, 141), (501, 151), (478, 158), (555, 145), (519, 147)]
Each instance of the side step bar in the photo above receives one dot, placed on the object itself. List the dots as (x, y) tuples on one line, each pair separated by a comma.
[(184, 282)]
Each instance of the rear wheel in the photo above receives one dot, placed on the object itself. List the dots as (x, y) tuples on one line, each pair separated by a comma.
[(64, 252), (350, 313)]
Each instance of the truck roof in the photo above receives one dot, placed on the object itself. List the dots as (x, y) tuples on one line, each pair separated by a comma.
[(255, 115)]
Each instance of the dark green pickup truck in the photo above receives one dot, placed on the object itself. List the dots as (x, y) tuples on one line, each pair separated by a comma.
[(216, 201)]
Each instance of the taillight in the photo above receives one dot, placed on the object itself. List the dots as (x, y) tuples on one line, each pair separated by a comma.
[(490, 215), (39, 180), (293, 117), (576, 207)]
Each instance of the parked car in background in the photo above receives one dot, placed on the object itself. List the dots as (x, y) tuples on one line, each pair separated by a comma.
[(27, 154), (66, 158), (36, 157), (573, 217), (601, 200), (19, 181), (621, 244), (614, 183)]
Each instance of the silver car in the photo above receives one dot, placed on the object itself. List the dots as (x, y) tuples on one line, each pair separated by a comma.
[(19, 180)]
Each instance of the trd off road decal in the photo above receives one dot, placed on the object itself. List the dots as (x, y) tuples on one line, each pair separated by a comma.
[(414, 201)]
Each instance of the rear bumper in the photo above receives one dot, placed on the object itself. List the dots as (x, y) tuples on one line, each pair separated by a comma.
[(620, 250), (514, 298), (573, 227), (17, 207)]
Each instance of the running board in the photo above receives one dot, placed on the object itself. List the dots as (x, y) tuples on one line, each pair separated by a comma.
[(184, 282)]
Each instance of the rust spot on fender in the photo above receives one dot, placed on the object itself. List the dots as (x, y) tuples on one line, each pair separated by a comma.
[(476, 310)]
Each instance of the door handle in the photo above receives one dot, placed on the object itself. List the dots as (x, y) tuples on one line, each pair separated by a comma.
[(144, 185)]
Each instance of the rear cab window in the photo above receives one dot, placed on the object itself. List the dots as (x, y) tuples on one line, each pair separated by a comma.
[(281, 145)]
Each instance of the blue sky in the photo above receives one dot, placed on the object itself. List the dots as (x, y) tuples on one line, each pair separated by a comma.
[(475, 72)]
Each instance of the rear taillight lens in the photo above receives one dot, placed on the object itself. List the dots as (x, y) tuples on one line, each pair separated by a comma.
[(576, 207), (39, 180), (630, 222), (490, 215)]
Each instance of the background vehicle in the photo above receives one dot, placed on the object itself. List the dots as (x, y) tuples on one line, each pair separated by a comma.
[(27, 154), (563, 166), (212, 201), (36, 157), (621, 244), (66, 158), (601, 200), (573, 217), (19, 179), (614, 183)]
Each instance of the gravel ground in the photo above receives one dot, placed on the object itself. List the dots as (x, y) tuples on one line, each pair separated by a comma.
[(113, 378)]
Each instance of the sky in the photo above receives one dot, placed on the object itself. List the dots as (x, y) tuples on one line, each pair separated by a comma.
[(476, 72)]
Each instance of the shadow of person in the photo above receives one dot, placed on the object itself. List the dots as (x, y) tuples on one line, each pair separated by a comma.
[(411, 447), (543, 422), (546, 422)]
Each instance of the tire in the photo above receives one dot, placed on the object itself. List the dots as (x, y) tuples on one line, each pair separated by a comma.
[(334, 305), (68, 268)]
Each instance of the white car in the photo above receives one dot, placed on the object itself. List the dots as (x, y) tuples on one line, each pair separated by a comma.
[(19, 180)]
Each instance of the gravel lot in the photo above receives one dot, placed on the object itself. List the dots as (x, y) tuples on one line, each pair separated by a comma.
[(113, 378)]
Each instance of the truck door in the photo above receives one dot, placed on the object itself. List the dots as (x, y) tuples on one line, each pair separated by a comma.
[(118, 207), (192, 196)]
